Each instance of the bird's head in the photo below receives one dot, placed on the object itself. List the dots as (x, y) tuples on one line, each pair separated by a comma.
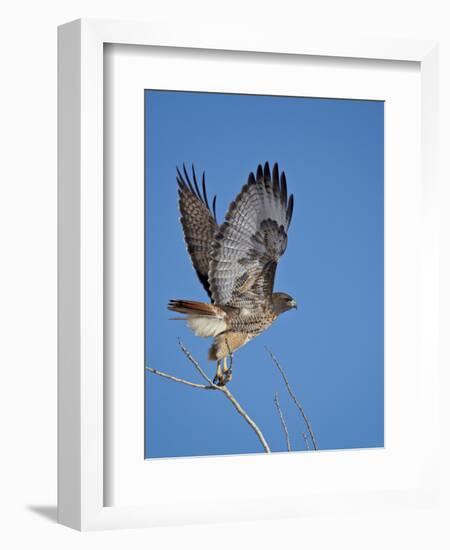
[(282, 302)]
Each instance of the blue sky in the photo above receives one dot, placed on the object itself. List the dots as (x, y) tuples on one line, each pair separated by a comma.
[(332, 347)]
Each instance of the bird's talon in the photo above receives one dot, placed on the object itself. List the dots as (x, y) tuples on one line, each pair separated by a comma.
[(223, 379), (227, 377)]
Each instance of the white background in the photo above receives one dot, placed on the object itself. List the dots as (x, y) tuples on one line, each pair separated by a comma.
[(28, 272)]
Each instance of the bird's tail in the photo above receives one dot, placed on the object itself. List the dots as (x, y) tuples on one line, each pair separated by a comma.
[(189, 307), (204, 319)]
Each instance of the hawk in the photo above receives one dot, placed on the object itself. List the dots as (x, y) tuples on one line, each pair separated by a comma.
[(235, 261)]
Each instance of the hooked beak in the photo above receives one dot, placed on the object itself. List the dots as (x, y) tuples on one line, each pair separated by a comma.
[(293, 304)]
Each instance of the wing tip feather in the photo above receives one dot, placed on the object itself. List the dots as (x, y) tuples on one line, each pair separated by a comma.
[(259, 173), (186, 185)]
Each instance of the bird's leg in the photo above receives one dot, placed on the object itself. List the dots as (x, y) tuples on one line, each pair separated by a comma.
[(223, 373), (218, 378), (224, 367), (231, 360), (227, 372)]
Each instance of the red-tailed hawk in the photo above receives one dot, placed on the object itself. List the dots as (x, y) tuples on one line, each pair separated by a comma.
[(236, 261)]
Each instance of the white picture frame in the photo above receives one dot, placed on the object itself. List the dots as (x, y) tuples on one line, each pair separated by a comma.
[(82, 483)]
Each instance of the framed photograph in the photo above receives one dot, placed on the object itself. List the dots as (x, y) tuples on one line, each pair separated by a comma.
[(248, 300), (236, 267)]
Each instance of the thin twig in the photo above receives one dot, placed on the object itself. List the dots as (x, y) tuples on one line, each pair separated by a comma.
[(212, 386), (283, 422), (180, 380), (294, 398), (305, 438), (195, 363)]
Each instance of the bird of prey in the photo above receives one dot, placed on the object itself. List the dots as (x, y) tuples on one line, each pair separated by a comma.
[(235, 261)]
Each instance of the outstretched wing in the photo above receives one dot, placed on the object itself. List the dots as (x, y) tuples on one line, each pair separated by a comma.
[(250, 242), (198, 221)]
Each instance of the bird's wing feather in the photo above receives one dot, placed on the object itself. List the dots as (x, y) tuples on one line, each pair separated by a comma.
[(198, 221), (250, 242)]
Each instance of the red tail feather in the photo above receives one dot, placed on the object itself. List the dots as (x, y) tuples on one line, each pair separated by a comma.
[(190, 307)]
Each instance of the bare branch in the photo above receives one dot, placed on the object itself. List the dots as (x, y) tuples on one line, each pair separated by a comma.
[(246, 417), (180, 380), (294, 398), (283, 422), (195, 363), (305, 438), (212, 386)]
